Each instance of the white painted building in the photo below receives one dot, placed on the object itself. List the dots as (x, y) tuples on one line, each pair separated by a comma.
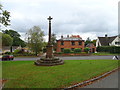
[(108, 41)]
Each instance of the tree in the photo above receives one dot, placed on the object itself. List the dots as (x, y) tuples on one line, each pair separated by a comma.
[(18, 42), (77, 50), (53, 41), (94, 42), (4, 16), (88, 41), (16, 38), (7, 40), (12, 33), (44, 47), (35, 40)]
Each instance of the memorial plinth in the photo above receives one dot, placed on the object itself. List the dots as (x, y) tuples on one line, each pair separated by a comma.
[(49, 59)]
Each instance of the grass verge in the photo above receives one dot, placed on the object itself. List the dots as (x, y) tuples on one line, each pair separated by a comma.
[(24, 74), (103, 53)]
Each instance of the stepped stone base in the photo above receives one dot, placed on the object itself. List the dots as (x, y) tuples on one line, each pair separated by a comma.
[(49, 61)]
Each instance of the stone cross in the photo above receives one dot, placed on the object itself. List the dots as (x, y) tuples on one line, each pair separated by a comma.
[(49, 53), (50, 18), (49, 59)]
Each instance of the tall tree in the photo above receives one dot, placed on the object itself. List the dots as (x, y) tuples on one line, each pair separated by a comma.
[(4, 16), (35, 40), (7, 40), (16, 38), (88, 40), (53, 41), (12, 33)]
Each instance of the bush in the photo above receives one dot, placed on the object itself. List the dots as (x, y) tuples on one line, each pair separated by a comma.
[(72, 52), (67, 50), (44, 50), (8, 53), (21, 52), (60, 53), (17, 51), (83, 52), (86, 49), (77, 50)]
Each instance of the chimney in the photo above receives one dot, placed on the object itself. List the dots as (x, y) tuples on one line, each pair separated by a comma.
[(105, 35), (67, 36), (106, 39), (61, 36)]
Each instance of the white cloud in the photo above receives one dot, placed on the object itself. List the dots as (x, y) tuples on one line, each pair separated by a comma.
[(89, 18)]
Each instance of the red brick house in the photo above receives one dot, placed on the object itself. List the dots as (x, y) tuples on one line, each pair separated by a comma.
[(72, 42)]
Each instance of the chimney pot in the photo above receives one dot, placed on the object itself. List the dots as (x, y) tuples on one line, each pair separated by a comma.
[(105, 35), (61, 36), (68, 36)]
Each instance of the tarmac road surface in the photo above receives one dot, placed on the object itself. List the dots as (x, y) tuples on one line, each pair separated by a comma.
[(66, 58), (110, 81)]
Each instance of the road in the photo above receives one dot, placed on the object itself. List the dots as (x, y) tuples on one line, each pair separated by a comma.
[(65, 58), (110, 81)]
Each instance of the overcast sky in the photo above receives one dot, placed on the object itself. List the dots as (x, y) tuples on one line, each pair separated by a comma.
[(87, 18)]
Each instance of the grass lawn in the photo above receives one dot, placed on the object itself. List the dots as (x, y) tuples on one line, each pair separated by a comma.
[(24, 74)]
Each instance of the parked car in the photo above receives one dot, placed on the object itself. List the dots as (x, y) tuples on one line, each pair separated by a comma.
[(7, 57)]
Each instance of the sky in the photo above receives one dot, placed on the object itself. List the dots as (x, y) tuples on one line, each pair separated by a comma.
[(87, 18)]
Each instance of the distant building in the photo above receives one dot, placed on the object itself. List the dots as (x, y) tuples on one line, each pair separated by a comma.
[(71, 42), (108, 41), (92, 47), (7, 48)]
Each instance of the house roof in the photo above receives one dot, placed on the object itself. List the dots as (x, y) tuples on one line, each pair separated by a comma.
[(90, 45), (71, 38), (106, 40)]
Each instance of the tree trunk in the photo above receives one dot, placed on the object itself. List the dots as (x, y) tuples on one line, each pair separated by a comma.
[(11, 49)]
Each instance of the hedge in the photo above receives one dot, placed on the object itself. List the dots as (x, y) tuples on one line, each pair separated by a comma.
[(67, 50), (109, 49), (77, 50)]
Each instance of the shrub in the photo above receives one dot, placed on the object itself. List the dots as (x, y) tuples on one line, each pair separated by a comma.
[(8, 53), (21, 52), (44, 50), (67, 50), (83, 52), (60, 53), (17, 51), (72, 52), (86, 49), (77, 50)]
